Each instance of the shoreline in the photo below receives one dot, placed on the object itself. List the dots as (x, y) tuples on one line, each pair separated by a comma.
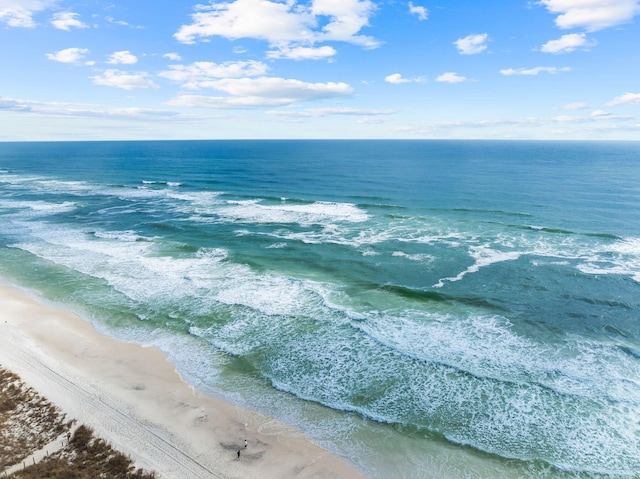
[(133, 398)]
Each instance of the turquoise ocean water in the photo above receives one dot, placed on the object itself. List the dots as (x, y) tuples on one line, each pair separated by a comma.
[(425, 309)]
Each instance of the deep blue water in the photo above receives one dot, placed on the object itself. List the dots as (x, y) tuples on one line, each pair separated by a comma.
[(472, 306)]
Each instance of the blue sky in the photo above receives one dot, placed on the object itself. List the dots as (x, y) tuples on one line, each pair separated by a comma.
[(504, 69)]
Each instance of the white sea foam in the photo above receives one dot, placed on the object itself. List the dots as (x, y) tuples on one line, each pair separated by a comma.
[(549, 262), (615, 257), (621, 257), (158, 182), (419, 258), (78, 188), (38, 208), (197, 198), (116, 258), (135, 269), (11, 180), (320, 212), (579, 368), (339, 220), (618, 258), (119, 235), (511, 417), (277, 246), (511, 414), (611, 257), (627, 246), (130, 193), (484, 256), (340, 234), (450, 238)]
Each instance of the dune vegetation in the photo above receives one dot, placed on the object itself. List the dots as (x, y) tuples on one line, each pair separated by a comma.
[(30, 423)]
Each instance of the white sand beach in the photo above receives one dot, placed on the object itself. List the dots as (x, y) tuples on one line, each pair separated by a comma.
[(133, 398)]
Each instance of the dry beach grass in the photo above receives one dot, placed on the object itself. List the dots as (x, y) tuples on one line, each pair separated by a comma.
[(29, 423)]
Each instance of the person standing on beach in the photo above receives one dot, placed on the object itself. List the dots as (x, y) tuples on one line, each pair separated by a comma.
[(238, 453), (245, 443)]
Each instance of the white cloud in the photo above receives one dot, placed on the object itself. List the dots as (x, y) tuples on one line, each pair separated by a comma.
[(472, 44), (19, 13), (564, 119), (534, 71), (271, 87), (573, 126), (200, 74), (122, 23), (575, 106), (626, 99), (567, 43), (371, 121), (451, 77), (346, 19), (263, 92), (9, 104), (598, 116), (222, 102), (592, 14), (322, 112), (82, 110), (126, 81), (397, 78), (421, 12), (266, 20), (68, 55), (172, 56), (123, 57), (302, 53), (282, 23), (66, 20)]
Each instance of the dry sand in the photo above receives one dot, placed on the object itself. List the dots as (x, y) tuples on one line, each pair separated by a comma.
[(133, 398)]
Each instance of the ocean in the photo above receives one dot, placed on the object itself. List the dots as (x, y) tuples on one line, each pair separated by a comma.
[(424, 309)]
